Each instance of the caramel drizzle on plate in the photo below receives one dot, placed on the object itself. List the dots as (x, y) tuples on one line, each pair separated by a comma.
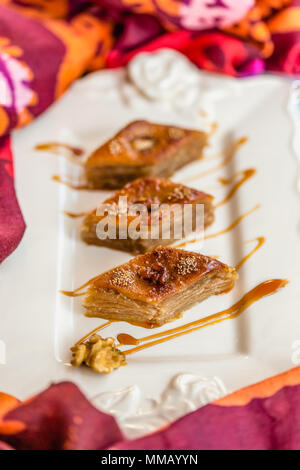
[(262, 290), (228, 229), (101, 327), (234, 224), (58, 179), (245, 176), (71, 293), (260, 241), (229, 154), (213, 128), (56, 147), (76, 292), (74, 215)]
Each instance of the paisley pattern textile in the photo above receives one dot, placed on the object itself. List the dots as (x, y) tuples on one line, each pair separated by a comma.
[(76, 36)]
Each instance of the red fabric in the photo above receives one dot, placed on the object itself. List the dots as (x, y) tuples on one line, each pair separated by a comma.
[(214, 51), (12, 224)]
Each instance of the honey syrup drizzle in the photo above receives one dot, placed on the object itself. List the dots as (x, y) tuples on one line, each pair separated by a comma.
[(230, 154), (58, 179), (71, 293), (74, 215), (262, 290), (213, 235), (213, 129), (246, 175), (76, 292), (124, 338), (232, 179), (260, 241), (55, 147), (94, 331)]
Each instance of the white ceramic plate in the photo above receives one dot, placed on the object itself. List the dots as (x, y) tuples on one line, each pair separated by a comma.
[(38, 325)]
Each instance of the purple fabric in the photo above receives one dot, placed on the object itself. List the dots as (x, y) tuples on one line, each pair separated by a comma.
[(287, 55), (61, 418), (12, 225), (264, 424), (137, 30), (44, 58)]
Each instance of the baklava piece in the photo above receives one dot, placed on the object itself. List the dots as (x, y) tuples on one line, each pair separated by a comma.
[(157, 287), (142, 149), (172, 221)]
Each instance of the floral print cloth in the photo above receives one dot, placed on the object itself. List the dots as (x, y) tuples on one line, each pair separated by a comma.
[(44, 46)]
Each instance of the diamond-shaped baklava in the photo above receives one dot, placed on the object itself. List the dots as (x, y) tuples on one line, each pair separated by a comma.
[(171, 211), (157, 287), (142, 149)]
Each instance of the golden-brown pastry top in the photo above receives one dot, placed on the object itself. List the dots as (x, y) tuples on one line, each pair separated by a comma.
[(160, 273), (142, 143), (153, 190)]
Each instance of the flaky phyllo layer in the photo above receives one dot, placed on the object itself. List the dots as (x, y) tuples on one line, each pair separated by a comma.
[(170, 211), (143, 149), (157, 287)]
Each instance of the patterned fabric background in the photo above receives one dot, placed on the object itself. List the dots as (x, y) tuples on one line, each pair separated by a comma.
[(44, 46)]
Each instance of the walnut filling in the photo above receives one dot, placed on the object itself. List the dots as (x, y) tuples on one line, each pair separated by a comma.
[(180, 192), (176, 133), (98, 353), (115, 147), (143, 143), (156, 274)]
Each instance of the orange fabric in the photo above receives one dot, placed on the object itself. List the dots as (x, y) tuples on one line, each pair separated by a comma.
[(83, 33), (285, 21), (263, 389), (56, 9), (255, 27), (8, 403)]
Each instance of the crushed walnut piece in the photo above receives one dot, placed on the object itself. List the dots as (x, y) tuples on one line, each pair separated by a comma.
[(142, 143), (155, 274), (180, 192), (115, 147), (187, 265), (175, 133), (98, 353), (122, 278)]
